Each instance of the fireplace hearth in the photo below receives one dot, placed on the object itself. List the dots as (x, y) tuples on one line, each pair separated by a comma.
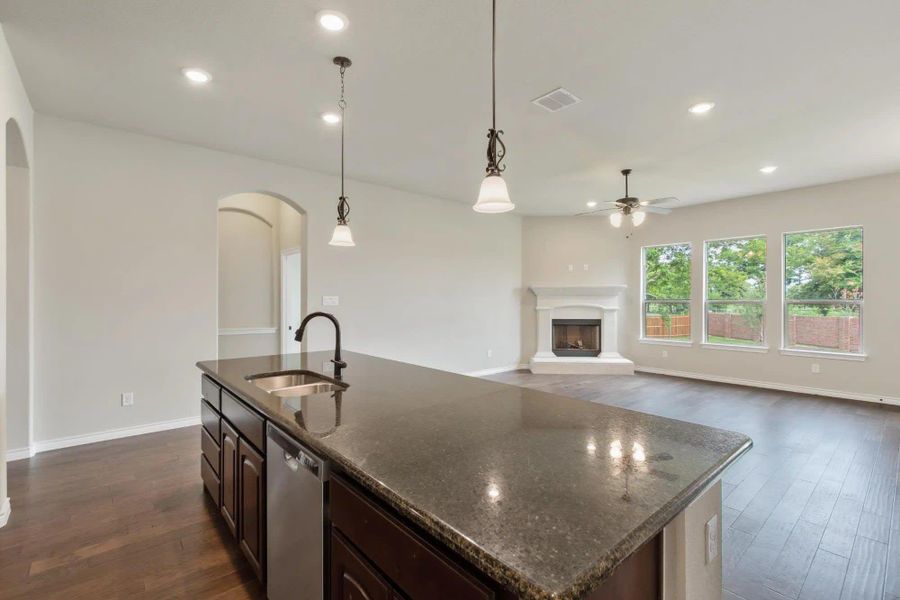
[(576, 337)]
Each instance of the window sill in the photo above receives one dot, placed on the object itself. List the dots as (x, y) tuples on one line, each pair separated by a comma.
[(735, 348), (666, 342), (824, 354)]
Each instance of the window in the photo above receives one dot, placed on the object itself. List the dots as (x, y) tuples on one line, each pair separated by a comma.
[(736, 291), (823, 290), (667, 293)]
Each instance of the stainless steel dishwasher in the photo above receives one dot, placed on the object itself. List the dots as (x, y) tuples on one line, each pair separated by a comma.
[(295, 495)]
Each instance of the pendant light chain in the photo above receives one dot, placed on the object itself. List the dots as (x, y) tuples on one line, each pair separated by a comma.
[(495, 154)]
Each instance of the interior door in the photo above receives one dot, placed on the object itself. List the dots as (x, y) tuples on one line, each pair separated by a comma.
[(290, 299)]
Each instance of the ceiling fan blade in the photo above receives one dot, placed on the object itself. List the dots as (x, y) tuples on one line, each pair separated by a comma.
[(656, 209), (659, 201), (598, 212)]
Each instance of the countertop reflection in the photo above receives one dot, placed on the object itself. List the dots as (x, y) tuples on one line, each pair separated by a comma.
[(546, 494)]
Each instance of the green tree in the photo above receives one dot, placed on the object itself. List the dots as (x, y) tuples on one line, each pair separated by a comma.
[(824, 265)]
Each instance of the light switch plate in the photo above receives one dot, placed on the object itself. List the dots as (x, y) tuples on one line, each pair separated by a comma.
[(331, 300), (712, 539)]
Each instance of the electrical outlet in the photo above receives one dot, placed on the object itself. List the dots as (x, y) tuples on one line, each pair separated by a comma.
[(571, 268), (712, 539), (490, 353), (585, 267), (815, 368), (331, 300), (665, 354), (127, 398)]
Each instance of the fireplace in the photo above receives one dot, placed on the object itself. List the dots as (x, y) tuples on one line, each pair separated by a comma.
[(576, 337)]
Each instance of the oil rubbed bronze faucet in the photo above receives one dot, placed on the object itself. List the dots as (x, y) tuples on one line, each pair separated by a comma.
[(338, 363)]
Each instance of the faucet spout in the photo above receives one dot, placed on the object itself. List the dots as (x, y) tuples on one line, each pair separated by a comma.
[(338, 363)]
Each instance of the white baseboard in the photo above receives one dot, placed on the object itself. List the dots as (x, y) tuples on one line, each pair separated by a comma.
[(5, 509), (20, 453), (495, 370), (770, 385), (113, 434)]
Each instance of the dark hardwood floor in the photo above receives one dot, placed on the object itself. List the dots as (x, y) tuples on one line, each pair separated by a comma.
[(120, 519), (809, 512)]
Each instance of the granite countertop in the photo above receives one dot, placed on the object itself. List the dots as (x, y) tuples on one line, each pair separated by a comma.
[(545, 494)]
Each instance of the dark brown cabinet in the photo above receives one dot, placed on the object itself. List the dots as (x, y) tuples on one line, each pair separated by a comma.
[(229, 477), (233, 469), (351, 577), (251, 505)]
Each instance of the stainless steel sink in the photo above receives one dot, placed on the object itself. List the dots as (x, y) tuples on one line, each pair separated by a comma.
[(295, 383)]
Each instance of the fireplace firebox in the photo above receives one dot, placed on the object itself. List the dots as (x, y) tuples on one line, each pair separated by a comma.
[(576, 337)]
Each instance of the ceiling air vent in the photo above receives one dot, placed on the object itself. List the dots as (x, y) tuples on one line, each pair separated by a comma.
[(556, 100)]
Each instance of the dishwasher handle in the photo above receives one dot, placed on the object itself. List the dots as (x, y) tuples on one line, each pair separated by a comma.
[(296, 456)]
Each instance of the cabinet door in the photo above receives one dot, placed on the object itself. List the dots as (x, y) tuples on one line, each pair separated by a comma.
[(229, 476), (251, 505), (351, 577)]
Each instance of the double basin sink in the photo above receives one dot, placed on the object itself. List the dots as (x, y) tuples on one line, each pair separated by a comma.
[(291, 384)]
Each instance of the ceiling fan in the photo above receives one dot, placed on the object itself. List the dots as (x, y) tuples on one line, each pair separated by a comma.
[(629, 205)]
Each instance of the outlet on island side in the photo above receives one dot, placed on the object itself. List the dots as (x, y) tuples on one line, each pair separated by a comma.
[(490, 353), (712, 539), (665, 354), (127, 398), (815, 368)]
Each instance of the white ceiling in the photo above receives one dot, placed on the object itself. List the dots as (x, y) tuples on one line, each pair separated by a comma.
[(810, 85)]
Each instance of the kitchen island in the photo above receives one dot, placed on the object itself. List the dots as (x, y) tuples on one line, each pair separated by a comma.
[(521, 493)]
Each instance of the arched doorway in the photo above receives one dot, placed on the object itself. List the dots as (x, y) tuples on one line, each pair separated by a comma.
[(262, 274), (18, 345)]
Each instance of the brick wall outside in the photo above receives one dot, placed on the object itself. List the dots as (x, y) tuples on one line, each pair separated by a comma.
[(837, 333), (732, 326)]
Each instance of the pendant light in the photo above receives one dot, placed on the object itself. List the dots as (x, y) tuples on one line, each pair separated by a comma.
[(493, 197), (342, 235)]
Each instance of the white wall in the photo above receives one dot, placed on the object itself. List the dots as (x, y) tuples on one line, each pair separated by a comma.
[(18, 308), (14, 104), (126, 273), (249, 263), (873, 203), (550, 245)]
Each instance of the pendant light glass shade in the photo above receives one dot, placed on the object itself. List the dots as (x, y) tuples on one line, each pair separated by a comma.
[(341, 236), (638, 217), (615, 219), (493, 197)]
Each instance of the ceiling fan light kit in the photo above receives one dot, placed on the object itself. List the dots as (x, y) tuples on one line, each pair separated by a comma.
[(629, 206)]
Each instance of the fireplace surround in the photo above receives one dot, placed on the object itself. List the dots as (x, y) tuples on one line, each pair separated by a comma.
[(558, 305)]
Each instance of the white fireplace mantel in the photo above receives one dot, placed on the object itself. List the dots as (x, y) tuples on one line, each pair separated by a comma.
[(579, 302)]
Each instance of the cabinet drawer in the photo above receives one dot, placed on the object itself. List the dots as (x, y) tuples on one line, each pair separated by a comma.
[(210, 449), (210, 481), (414, 565), (210, 391), (351, 577), (210, 419), (247, 423)]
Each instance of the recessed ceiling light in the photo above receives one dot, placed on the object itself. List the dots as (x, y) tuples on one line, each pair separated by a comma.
[(591, 203), (331, 118), (768, 169), (332, 20), (195, 75), (702, 108)]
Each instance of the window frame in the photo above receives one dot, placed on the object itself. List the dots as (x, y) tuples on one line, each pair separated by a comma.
[(785, 302), (642, 338), (764, 345)]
